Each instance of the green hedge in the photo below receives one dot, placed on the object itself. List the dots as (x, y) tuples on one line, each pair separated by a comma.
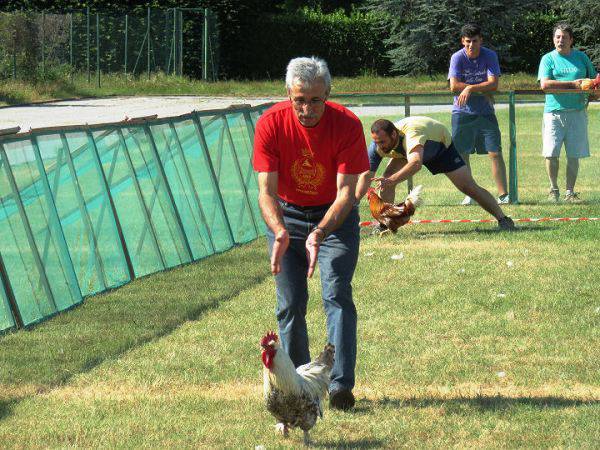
[(351, 44)]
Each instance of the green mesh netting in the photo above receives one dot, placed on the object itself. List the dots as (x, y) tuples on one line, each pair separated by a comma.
[(85, 209)]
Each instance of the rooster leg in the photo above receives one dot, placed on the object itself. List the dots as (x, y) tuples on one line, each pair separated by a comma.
[(306, 439), (385, 233), (282, 429)]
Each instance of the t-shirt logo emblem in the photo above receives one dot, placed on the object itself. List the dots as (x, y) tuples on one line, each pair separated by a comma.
[(307, 173)]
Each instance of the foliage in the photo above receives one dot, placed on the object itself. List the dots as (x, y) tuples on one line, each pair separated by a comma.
[(327, 6), (534, 33), (423, 34), (349, 43), (586, 26)]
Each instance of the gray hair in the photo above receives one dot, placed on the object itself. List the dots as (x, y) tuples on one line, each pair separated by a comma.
[(306, 71)]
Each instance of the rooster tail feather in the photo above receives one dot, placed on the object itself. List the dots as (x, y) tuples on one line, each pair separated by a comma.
[(414, 196), (327, 356)]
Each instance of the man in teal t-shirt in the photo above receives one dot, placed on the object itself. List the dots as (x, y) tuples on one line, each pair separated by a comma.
[(565, 115)]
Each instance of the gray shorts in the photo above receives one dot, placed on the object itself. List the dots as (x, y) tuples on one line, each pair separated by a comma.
[(570, 127)]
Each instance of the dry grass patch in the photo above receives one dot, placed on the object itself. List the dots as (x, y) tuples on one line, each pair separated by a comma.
[(219, 391)]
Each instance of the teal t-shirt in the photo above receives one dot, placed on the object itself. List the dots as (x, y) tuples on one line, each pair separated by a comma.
[(573, 66)]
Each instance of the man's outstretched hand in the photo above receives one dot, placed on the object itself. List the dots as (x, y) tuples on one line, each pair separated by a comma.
[(312, 249), (282, 241)]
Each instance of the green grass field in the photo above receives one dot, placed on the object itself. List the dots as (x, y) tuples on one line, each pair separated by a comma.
[(14, 92), (472, 338)]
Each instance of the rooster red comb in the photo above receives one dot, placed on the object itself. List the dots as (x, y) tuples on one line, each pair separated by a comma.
[(270, 336), (370, 191)]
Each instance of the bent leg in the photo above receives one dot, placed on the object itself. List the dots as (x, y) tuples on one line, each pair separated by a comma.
[(463, 180), (499, 172)]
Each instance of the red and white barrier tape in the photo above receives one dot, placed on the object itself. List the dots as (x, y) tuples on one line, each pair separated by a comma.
[(540, 219)]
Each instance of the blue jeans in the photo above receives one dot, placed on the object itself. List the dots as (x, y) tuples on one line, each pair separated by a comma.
[(337, 259)]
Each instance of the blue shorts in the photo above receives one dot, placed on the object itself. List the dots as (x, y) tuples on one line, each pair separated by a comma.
[(476, 133), (446, 160)]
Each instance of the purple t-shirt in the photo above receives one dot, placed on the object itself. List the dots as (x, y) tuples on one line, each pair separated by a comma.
[(474, 71)]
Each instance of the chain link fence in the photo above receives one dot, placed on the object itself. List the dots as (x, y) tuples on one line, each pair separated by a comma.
[(40, 45)]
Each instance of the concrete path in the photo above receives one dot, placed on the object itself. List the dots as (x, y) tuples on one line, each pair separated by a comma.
[(113, 109)]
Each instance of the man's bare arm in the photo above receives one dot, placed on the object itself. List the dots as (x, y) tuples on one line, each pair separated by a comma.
[(334, 217), (364, 181), (271, 212), (412, 166), (491, 84), (268, 201), (547, 83), (344, 201), (464, 90)]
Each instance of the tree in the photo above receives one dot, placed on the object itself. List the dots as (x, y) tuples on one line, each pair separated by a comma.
[(585, 25), (423, 34)]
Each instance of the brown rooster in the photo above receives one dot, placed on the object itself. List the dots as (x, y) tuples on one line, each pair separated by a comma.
[(587, 84), (293, 396), (394, 216)]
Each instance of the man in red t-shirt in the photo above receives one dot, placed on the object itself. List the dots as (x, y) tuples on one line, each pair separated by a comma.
[(309, 153)]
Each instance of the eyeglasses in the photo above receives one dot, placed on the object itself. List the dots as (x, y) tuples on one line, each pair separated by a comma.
[(301, 102)]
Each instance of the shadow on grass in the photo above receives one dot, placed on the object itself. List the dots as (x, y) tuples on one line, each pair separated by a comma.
[(482, 402), (346, 443), (5, 407), (493, 230), (108, 325)]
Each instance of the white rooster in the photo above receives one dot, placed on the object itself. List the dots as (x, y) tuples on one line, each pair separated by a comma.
[(293, 396)]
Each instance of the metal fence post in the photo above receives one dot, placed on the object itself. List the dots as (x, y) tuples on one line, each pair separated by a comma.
[(140, 196), (28, 231), (87, 16), (180, 14), (174, 42), (83, 211), (126, 43), (71, 44), (113, 209), (43, 44), (238, 169), (10, 295), (98, 49), (205, 46), (214, 180), (409, 182), (188, 173), (165, 181), (513, 194), (15, 55), (148, 34), (64, 254)]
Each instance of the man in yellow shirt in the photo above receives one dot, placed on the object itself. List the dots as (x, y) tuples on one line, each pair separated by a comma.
[(418, 141)]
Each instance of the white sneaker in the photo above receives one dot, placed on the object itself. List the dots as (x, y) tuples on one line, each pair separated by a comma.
[(467, 201), (503, 200)]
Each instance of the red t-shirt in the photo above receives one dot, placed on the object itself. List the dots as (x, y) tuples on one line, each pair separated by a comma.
[(308, 160)]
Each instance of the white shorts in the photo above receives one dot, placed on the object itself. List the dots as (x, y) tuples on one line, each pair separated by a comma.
[(570, 127)]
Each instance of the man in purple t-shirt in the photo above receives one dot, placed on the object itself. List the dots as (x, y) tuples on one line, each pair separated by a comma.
[(475, 69)]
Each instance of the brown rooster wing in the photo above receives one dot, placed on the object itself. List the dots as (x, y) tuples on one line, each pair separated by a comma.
[(394, 216)]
